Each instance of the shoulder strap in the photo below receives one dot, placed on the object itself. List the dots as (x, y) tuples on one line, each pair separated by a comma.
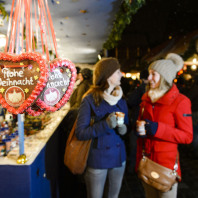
[(175, 167), (142, 112)]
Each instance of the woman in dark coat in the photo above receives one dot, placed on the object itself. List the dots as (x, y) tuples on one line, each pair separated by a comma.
[(107, 156)]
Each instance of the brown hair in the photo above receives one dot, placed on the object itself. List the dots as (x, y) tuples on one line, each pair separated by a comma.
[(97, 92)]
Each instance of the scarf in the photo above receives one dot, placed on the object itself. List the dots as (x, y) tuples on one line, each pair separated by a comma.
[(156, 94), (114, 97)]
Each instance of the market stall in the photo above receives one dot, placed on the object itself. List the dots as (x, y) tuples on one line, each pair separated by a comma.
[(35, 89), (30, 180)]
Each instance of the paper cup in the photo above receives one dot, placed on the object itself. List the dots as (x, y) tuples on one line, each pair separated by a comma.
[(140, 127), (120, 118)]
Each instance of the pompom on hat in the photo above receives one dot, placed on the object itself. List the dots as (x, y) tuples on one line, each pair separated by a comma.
[(168, 67), (104, 69)]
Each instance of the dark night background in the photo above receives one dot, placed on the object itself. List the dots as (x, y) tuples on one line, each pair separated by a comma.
[(160, 25)]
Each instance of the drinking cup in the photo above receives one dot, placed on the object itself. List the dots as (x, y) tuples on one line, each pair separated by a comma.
[(140, 127), (120, 118)]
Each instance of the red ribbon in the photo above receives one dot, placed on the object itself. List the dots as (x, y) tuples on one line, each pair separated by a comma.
[(52, 28), (9, 26), (21, 14)]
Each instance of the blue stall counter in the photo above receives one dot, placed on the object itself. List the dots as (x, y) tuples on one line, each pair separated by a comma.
[(31, 180)]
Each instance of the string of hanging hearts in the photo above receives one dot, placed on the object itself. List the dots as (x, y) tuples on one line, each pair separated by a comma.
[(29, 82)]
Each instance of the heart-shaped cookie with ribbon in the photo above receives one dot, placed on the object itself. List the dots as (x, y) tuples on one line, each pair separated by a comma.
[(22, 78), (59, 86)]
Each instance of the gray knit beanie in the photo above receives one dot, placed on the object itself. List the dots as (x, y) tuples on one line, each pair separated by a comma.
[(168, 67), (104, 69)]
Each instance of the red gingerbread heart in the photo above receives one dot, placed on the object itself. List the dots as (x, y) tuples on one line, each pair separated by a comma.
[(22, 78), (59, 86)]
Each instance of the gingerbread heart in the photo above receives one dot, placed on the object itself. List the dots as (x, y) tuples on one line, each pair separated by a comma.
[(59, 86), (22, 78)]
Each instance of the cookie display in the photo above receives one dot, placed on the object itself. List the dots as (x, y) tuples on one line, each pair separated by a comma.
[(59, 86), (22, 79)]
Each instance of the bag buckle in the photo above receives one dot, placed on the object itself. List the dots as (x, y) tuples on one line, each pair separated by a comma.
[(174, 172), (175, 167)]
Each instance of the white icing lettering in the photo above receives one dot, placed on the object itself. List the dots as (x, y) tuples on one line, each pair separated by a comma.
[(56, 74), (25, 81), (10, 74), (66, 82), (57, 84)]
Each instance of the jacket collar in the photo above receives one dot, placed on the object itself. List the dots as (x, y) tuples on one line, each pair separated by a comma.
[(167, 98)]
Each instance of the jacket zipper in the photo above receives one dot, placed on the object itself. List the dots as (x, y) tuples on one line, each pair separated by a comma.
[(153, 106)]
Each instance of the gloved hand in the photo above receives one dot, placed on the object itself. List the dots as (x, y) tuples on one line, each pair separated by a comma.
[(140, 136), (111, 120), (122, 129), (151, 127)]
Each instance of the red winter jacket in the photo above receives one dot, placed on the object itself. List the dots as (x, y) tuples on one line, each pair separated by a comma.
[(173, 114)]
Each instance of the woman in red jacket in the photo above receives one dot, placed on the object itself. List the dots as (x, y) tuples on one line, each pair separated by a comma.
[(168, 120)]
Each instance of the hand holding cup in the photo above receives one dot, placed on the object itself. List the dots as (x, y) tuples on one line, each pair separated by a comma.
[(140, 127), (120, 118)]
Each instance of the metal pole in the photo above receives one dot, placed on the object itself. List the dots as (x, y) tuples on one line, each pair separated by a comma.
[(21, 133)]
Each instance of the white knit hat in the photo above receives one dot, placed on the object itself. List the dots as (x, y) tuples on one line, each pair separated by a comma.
[(168, 67)]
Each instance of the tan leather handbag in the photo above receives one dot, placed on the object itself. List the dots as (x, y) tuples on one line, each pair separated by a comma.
[(154, 174), (157, 176), (76, 152)]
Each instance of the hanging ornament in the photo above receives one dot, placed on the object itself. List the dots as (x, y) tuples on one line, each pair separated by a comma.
[(26, 90), (18, 87), (59, 86)]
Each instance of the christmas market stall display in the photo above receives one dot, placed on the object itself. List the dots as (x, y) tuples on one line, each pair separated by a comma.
[(34, 91), (29, 83)]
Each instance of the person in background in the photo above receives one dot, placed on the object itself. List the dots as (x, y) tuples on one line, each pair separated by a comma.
[(133, 102), (77, 77), (134, 96), (107, 156), (85, 77), (168, 118), (126, 85)]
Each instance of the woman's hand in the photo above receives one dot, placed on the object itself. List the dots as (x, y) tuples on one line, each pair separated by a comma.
[(151, 127), (111, 120), (122, 129)]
